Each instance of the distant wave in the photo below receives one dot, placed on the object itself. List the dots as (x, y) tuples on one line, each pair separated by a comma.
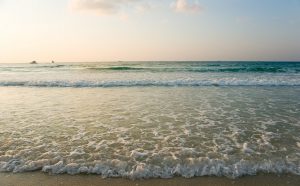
[(211, 68), (190, 67), (119, 68), (245, 69), (149, 83)]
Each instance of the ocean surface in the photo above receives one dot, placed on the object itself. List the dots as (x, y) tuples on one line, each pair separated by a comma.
[(151, 119)]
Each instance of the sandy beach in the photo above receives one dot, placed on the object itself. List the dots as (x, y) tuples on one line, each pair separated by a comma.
[(39, 179)]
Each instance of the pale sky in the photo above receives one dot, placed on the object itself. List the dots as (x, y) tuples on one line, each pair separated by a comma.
[(133, 30)]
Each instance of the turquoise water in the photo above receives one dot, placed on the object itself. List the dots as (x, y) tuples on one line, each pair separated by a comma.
[(151, 119)]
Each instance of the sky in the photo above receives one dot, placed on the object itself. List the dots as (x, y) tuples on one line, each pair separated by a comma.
[(144, 30)]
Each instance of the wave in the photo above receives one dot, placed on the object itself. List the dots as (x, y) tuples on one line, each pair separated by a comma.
[(246, 69), (194, 167), (216, 68), (196, 67), (119, 68), (151, 83)]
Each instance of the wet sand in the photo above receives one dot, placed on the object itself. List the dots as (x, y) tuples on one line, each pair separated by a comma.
[(41, 179)]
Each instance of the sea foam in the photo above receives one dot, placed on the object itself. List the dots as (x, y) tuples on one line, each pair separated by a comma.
[(157, 83), (194, 167)]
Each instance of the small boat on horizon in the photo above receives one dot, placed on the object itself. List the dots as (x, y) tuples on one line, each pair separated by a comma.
[(33, 62)]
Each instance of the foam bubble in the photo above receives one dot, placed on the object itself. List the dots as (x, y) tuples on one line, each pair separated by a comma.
[(136, 154)]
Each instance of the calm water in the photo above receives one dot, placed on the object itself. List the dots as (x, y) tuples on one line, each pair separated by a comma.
[(155, 119)]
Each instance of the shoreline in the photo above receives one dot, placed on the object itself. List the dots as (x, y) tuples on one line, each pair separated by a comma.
[(39, 179)]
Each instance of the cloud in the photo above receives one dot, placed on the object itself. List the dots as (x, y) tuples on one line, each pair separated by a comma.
[(186, 6), (143, 7), (99, 7), (111, 7)]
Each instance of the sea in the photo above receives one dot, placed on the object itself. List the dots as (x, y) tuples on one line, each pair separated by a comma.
[(141, 120)]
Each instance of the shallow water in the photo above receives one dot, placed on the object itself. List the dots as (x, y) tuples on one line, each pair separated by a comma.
[(146, 132)]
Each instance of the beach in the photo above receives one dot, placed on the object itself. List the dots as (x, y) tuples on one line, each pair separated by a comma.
[(39, 179)]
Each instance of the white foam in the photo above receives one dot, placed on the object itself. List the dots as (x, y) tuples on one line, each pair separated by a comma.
[(194, 167), (194, 83), (78, 152), (144, 80), (136, 154), (246, 149)]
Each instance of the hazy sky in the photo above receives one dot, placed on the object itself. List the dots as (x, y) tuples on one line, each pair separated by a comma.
[(110, 30)]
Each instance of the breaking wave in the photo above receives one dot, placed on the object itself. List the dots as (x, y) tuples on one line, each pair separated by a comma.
[(194, 167), (150, 83)]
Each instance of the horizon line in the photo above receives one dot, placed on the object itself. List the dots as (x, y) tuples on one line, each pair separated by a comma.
[(116, 61)]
